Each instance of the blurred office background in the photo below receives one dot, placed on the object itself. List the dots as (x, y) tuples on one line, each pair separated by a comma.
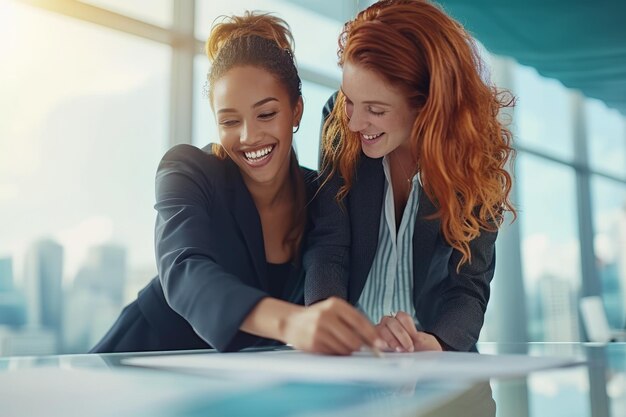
[(94, 92)]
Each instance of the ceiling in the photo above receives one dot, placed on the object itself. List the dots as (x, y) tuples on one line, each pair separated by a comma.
[(580, 43)]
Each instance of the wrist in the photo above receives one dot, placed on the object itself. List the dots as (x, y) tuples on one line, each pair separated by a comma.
[(286, 321)]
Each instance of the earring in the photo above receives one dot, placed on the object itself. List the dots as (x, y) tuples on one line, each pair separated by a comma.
[(297, 128)]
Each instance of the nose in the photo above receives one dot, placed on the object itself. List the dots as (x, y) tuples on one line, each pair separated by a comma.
[(357, 122), (249, 134)]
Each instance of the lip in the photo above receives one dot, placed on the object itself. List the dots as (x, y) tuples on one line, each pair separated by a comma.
[(262, 161), (368, 142)]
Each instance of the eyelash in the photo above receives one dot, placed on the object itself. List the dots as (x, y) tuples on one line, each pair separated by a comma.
[(372, 112), (264, 116)]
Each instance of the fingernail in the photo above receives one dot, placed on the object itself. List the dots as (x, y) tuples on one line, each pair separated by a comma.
[(380, 344), (411, 349), (399, 349)]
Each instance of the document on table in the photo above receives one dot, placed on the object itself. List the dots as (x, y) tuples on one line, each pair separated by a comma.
[(393, 368)]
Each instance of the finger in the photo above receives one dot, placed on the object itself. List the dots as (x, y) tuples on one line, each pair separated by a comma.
[(332, 346), (386, 335), (400, 333), (407, 322), (361, 326), (345, 336)]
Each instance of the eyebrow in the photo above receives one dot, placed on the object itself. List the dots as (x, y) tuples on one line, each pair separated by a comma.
[(374, 102), (254, 106)]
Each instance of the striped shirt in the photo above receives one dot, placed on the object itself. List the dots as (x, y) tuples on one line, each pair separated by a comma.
[(389, 285)]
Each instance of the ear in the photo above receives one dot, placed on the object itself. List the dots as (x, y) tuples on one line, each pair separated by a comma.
[(298, 110)]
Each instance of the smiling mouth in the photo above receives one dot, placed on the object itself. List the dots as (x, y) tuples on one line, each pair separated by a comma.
[(372, 137), (259, 154)]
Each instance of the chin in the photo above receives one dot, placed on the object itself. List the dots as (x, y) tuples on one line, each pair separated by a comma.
[(373, 154)]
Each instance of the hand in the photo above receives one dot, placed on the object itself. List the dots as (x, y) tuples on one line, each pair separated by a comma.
[(401, 335), (331, 327)]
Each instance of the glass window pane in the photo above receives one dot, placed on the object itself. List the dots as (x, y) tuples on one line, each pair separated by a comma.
[(550, 248), (315, 35), (606, 138), (85, 122), (204, 126), (609, 221), (542, 115), (308, 137), (158, 12)]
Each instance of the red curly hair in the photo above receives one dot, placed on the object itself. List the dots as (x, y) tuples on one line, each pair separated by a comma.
[(460, 146)]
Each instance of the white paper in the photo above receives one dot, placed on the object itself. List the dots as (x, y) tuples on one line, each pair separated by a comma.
[(393, 368)]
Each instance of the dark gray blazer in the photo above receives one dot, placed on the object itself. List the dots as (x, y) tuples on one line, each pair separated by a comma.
[(210, 257), (342, 244)]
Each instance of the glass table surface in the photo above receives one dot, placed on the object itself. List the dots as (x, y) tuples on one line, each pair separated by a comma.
[(102, 385)]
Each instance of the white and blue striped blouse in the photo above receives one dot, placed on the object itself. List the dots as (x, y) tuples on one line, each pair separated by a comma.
[(389, 285)]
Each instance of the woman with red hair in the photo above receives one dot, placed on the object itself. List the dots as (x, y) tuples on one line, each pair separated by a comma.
[(415, 186)]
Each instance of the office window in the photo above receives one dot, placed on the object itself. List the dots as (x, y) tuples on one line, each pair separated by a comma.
[(550, 248), (204, 127), (609, 221), (84, 124), (308, 137), (157, 12), (543, 115), (606, 138)]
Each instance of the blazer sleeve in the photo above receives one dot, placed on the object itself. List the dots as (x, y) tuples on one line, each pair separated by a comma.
[(213, 301), (460, 312), (326, 255)]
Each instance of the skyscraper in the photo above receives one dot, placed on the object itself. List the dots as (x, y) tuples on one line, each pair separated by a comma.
[(43, 284), (559, 310), (104, 272), (12, 303), (6, 274), (96, 297)]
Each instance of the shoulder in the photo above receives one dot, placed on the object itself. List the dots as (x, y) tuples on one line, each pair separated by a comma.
[(196, 163), (185, 168), (309, 175), (190, 158)]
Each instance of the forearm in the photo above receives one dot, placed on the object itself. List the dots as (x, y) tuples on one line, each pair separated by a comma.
[(269, 319)]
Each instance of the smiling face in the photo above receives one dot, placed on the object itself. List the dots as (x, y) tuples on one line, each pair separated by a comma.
[(255, 121), (377, 111)]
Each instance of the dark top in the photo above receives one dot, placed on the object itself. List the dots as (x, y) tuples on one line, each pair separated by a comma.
[(342, 244), (210, 258), (277, 277)]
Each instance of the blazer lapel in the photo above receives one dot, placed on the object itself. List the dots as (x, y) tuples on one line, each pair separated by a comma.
[(249, 223), (366, 201), (424, 239)]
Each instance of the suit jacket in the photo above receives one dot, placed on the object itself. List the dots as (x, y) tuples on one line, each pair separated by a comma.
[(342, 245), (210, 253)]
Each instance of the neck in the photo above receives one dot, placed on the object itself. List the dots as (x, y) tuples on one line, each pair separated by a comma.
[(404, 159), (269, 194)]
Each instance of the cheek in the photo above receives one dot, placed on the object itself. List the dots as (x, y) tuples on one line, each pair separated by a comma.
[(348, 109), (227, 137), (283, 128)]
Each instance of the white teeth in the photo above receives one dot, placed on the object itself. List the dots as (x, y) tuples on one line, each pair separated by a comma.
[(259, 153), (371, 137)]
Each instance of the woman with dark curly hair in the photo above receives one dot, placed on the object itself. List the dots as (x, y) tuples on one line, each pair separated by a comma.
[(415, 185)]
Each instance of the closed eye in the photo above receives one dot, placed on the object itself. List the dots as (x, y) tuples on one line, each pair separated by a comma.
[(228, 122), (375, 113), (267, 116)]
